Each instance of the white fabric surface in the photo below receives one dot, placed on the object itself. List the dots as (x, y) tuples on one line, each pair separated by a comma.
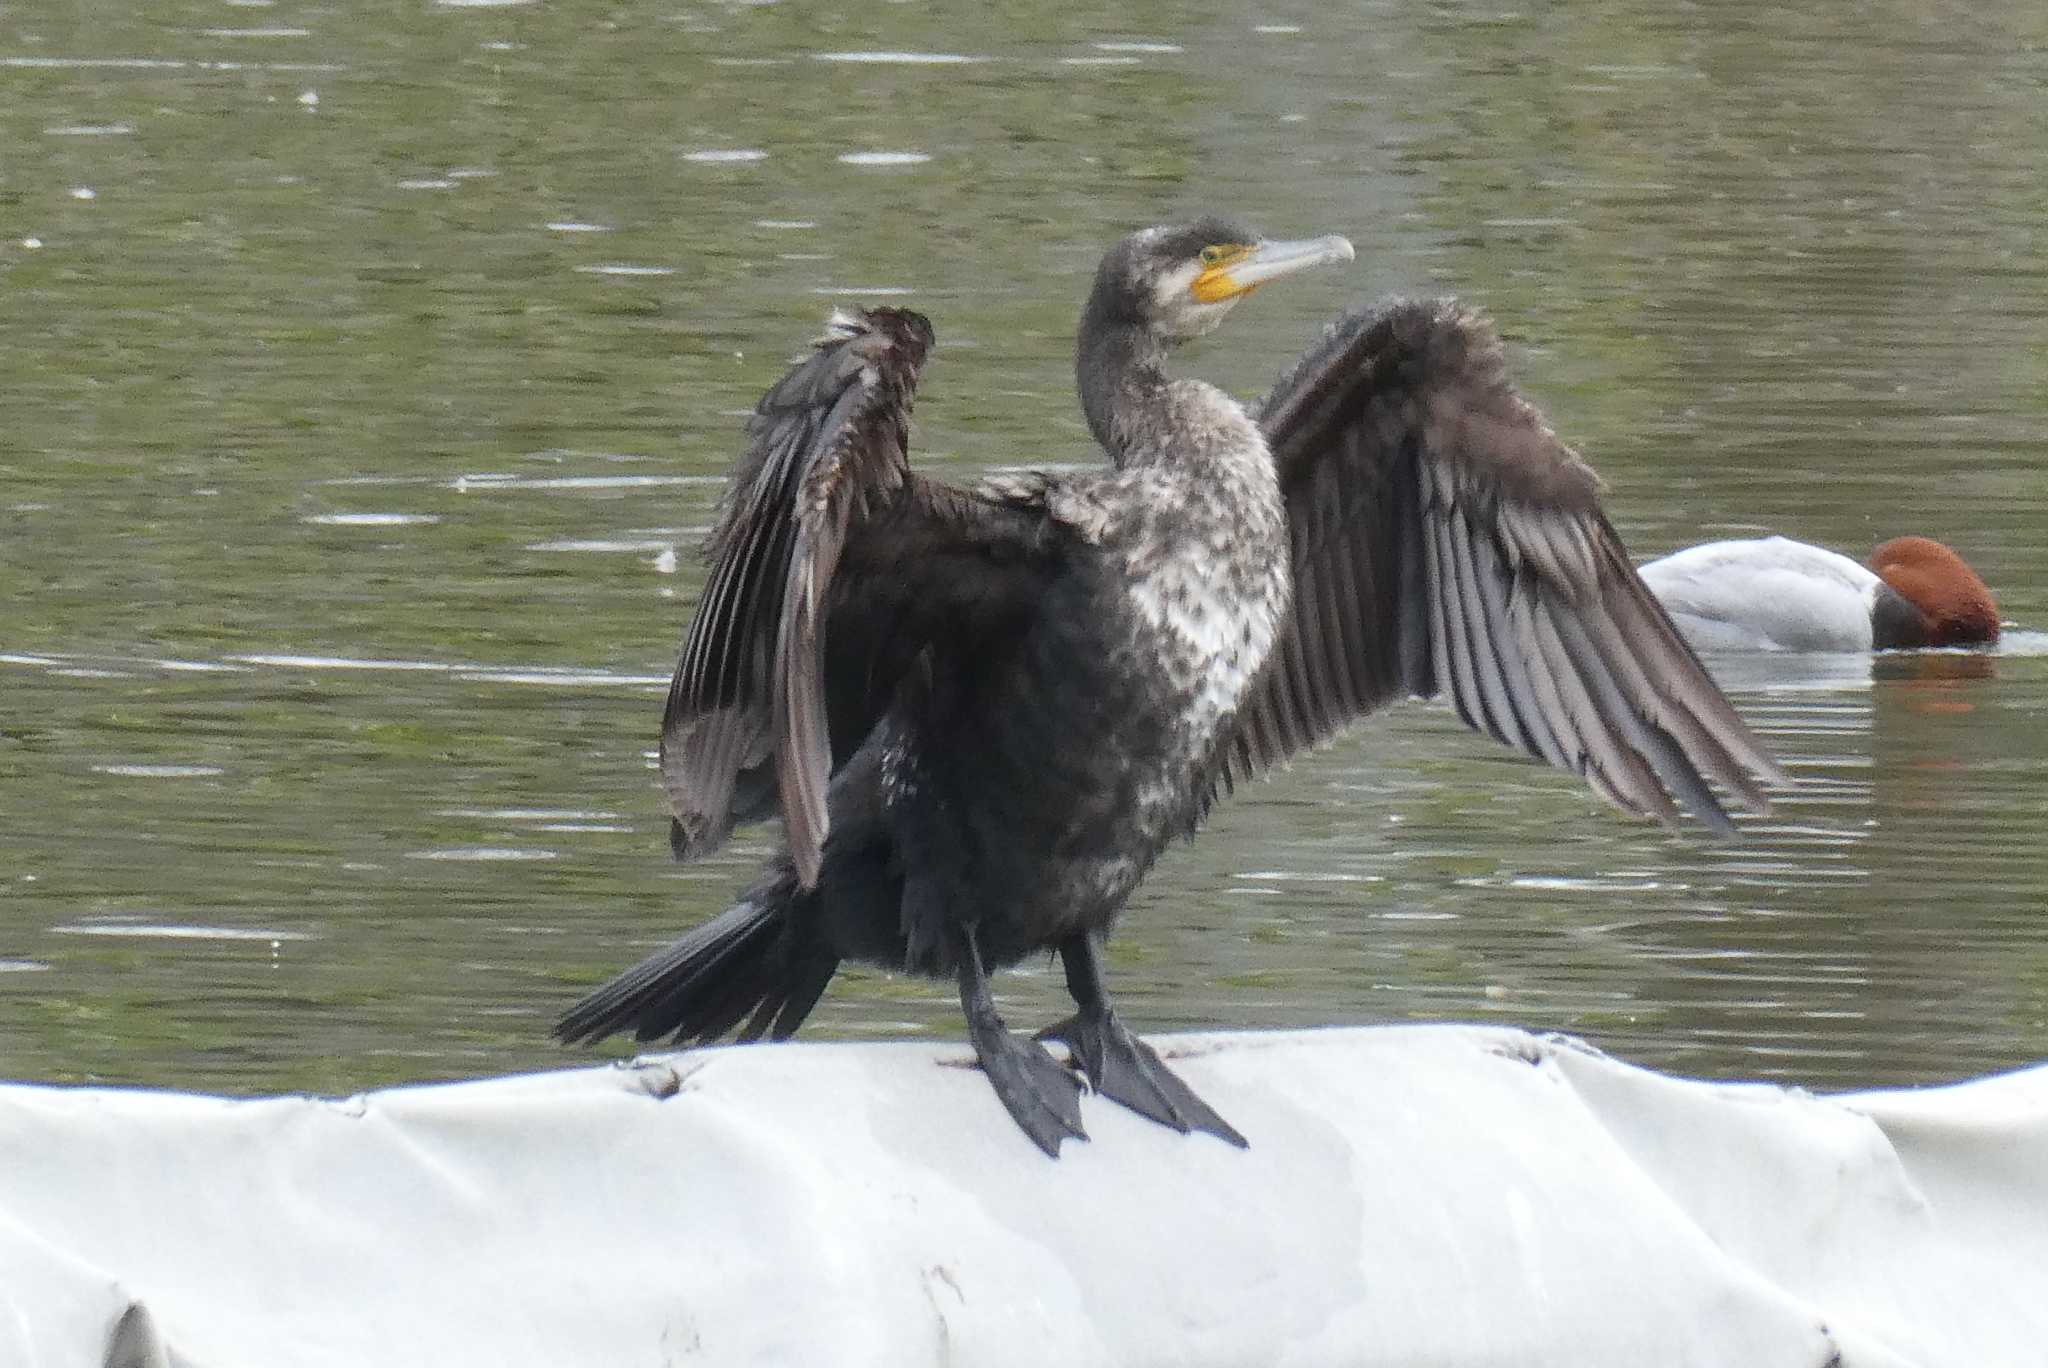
[(1436, 1195)]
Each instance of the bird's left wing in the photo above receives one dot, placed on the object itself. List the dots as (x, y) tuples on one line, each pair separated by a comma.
[(1444, 540)]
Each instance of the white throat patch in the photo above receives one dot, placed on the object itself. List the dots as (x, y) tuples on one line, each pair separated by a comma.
[(1181, 315)]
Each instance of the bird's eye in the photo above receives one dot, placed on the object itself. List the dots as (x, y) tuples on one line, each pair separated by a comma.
[(1212, 255)]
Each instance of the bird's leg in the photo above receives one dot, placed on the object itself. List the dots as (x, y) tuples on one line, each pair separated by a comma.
[(1122, 1067), (1043, 1098)]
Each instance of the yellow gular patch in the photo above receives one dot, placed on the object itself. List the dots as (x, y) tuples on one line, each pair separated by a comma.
[(1214, 284)]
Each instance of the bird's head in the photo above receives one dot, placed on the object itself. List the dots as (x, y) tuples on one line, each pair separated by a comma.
[(1179, 282), (1954, 604)]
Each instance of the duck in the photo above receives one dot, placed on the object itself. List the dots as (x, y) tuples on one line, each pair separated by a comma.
[(1777, 594), (982, 712)]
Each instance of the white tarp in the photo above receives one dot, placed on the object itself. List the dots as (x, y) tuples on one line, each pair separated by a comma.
[(1412, 1196)]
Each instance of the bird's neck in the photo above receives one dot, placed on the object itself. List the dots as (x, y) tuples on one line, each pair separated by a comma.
[(1145, 418), (1120, 370)]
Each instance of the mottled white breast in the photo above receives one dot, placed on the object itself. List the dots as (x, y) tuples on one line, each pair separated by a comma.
[(1217, 623), (1207, 561)]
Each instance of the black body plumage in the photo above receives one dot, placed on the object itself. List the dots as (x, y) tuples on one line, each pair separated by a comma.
[(983, 713)]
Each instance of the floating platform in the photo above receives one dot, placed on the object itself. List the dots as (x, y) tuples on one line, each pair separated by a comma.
[(1414, 1195)]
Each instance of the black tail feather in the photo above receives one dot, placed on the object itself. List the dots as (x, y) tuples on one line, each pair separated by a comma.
[(777, 1018), (747, 962)]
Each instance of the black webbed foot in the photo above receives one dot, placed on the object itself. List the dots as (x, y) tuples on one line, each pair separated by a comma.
[(1125, 1069), (1042, 1097), (1120, 1066)]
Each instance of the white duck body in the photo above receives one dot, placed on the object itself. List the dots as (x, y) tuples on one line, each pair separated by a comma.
[(1766, 594)]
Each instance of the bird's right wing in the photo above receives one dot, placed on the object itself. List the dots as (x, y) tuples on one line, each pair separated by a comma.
[(827, 529), (826, 446)]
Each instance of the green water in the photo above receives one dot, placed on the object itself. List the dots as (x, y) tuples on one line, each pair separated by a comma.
[(370, 371)]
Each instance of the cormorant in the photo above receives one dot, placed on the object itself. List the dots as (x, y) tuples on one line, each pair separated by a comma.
[(983, 712)]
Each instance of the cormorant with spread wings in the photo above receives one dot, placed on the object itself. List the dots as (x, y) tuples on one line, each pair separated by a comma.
[(981, 713)]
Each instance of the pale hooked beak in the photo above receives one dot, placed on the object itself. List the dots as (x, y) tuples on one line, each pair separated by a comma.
[(1266, 261)]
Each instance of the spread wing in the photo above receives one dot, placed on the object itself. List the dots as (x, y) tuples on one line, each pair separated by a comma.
[(1444, 540), (827, 535), (826, 445)]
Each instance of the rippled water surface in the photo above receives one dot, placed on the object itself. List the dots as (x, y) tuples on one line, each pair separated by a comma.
[(371, 373)]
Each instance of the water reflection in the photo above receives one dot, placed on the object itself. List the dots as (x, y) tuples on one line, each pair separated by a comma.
[(149, 931), (883, 158), (900, 58)]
